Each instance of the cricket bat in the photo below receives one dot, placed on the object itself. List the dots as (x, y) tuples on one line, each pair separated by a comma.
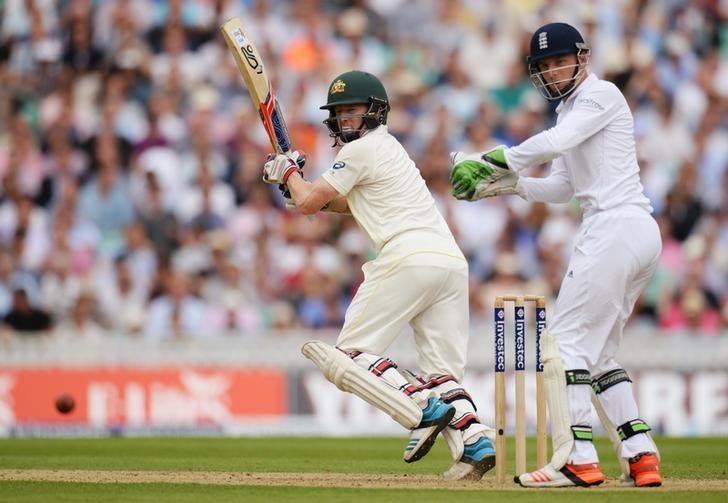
[(259, 87)]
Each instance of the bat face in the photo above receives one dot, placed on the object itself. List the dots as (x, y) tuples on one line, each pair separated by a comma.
[(247, 50), (261, 91)]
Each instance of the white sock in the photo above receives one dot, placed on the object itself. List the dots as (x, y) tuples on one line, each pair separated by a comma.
[(579, 397), (619, 404)]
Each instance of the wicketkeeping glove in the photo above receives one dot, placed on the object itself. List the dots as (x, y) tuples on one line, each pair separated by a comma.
[(470, 170), (279, 167), (506, 185)]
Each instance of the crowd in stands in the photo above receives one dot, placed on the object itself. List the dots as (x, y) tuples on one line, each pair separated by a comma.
[(130, 156)]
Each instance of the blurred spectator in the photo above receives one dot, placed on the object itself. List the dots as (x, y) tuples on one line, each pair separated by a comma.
[(177, 313), (121, 300), (140, 258), (129, 148), (683, 207), (24, 227), (667, 142), (232, 307), (79, 54), (175, 60), (21, 163), (24, 318), (207, 204), (13, 277), (106, 203), (691, 310), (489, 43), (82, 324), (321, 305), (59, 286), (160, 225)]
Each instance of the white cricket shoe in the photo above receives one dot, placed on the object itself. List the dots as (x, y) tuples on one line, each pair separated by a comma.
[(585, 475)]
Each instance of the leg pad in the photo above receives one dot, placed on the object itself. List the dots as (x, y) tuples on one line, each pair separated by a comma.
[(341, 370)]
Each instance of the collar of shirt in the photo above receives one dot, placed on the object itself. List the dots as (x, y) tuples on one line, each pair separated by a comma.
[(381, 129), (585, 84)]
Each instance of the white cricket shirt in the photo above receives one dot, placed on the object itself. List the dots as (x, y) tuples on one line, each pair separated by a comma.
[(593, 149), (387, 196)]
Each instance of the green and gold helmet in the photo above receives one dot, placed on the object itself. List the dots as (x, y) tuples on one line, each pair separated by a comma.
[(353, 88)]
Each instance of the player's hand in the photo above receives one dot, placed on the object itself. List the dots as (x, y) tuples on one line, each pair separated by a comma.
[(470, 170), (279, 167)]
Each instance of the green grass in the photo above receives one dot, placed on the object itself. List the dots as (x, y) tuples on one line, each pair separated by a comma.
[(693, 458), (37, 492)]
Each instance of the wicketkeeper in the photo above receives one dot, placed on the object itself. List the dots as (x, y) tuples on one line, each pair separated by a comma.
[(419, 277), (592, 154)]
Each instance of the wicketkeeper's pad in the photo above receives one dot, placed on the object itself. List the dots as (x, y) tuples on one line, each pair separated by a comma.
[(562, 437)]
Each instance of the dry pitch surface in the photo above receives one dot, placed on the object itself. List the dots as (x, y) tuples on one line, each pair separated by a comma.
[(306, 480)]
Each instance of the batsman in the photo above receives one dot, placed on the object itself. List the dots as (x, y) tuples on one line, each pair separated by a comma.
[(419, 277), (592, 154)]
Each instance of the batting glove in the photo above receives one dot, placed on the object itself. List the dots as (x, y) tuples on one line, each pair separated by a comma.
[(278, 168)]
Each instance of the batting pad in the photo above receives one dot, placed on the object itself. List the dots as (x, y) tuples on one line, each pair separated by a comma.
[(562, 437), (341, 370)]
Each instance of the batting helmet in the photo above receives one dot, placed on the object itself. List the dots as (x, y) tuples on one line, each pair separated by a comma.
[(353, 88), (554, 39)]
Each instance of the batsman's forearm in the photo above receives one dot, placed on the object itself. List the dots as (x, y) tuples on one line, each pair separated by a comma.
[(338, 205), (300, 190), (313, 197)]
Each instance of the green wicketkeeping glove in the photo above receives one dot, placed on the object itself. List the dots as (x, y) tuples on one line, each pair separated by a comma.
[(469, 171)]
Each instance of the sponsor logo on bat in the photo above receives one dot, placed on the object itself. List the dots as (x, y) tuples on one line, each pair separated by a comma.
[(253, 62), (239, 37)]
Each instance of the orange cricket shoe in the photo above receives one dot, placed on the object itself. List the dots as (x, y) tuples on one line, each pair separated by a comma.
[(644, 469)]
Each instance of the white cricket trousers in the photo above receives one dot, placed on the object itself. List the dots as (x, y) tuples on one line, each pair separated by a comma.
[(615, 254), (428, 290)]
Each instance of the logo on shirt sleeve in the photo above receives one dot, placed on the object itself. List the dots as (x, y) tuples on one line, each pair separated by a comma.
[(338, 165), (588, 102)]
